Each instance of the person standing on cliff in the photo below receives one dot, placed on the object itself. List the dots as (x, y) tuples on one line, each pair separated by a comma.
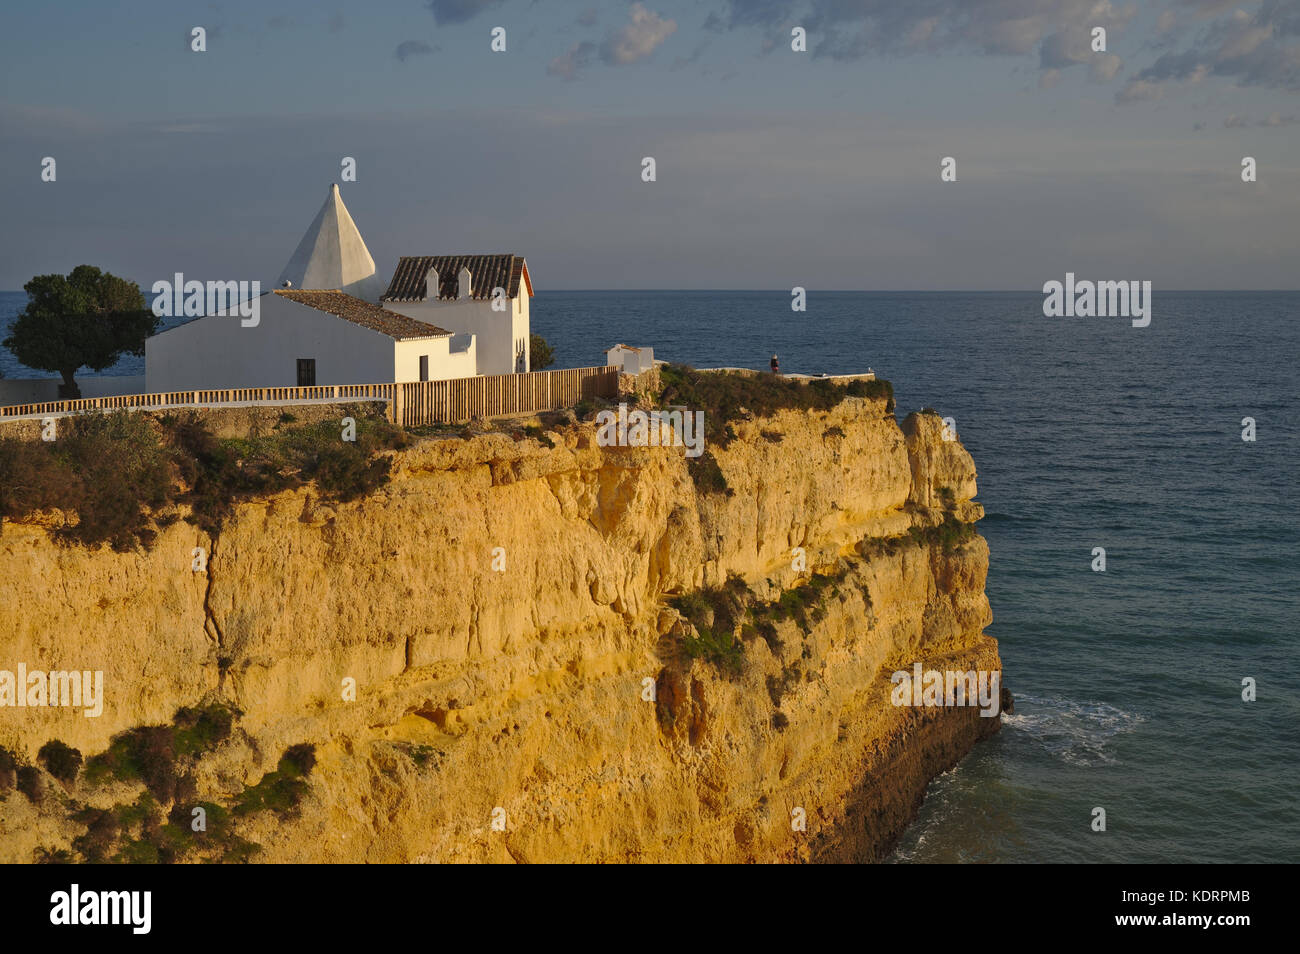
[(776, 365)]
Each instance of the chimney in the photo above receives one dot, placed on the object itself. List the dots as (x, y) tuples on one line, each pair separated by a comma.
[(431, 285), (463, 281)]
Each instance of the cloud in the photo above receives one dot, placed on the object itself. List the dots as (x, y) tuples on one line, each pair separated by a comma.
[(1104, 67), (644, 32), (1208, 8), (579, 56), (1272, 120), (587, 17), (458, 11), (638, 38), (851, 29), (1136, 91), (1252, 43), (409, 48), (1257, 49), (1060, 51)]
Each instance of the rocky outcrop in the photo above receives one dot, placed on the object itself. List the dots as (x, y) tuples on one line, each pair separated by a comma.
[(521, 690)]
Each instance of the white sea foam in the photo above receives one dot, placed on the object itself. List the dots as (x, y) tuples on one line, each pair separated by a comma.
[(1078, 733)]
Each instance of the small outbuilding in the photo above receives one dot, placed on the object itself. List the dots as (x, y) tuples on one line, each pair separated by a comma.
[(630, 360)]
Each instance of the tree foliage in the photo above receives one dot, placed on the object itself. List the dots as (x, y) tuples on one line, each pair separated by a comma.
[(540, 354), (88, 318)]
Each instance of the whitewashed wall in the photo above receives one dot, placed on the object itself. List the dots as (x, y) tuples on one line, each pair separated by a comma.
[(496, 331), (217, 352), (448, 358)]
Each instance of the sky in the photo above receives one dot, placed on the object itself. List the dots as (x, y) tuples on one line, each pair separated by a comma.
[(774, 167)]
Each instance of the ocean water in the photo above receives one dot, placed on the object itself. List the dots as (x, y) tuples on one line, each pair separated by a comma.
[(1086, 432), (12, 302)]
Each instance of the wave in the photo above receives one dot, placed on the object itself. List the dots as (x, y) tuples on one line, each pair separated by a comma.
[(1078, 733)]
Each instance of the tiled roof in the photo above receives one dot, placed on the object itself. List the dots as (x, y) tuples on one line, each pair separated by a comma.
[(486, 273), (363, 313)]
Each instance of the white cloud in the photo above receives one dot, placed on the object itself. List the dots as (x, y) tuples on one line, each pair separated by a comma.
[(644, 33), (638, 38)]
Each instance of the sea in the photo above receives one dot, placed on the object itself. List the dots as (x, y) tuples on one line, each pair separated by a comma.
[(1087, 433)]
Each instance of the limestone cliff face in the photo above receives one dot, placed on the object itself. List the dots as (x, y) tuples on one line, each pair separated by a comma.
[(553, 688)]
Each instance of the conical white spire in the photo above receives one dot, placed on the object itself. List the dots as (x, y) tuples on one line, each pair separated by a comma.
[(333, 255)]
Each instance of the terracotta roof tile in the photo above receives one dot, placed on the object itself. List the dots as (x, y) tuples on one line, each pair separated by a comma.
[(363, 313), (486, 273)]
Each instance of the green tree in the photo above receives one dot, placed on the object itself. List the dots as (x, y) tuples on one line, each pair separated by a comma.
[(540, 354), (87, 319)]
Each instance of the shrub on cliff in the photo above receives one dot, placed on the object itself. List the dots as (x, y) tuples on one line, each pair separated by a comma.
[(282, 790), (948, 535), (112, 471), (298, 760), (101, 831), (30, 782), (31, 479), (715, 606), (143, 754), (60, 760), (8, 768), (143, 831), (201, 730), (718, 647), (222, 472), (707, 476), (727, 396), (149, 753), (108, 469)]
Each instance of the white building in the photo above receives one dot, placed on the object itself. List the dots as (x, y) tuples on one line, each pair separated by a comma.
[(332, 255), (630, 360), (439, 319), (302, 338), (481, 295)]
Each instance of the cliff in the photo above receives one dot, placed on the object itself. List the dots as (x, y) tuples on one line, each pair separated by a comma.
[(542, 684)]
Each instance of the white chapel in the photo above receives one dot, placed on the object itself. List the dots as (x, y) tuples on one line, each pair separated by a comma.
[(331, 320)]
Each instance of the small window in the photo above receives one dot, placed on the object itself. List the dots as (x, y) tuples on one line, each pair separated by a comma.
[(306, 372), (424, 367)]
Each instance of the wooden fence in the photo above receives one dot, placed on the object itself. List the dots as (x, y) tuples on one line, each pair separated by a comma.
[(443, 402), (409, 404)]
